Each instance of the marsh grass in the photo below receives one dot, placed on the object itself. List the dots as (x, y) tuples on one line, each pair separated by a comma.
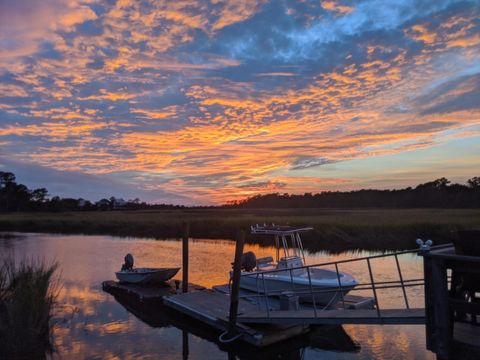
[(335, 230), (27, 297)]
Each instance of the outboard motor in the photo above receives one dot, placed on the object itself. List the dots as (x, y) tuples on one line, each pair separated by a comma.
[(249, 261), (128, 265)]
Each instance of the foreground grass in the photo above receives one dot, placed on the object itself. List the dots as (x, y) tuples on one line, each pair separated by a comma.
[(334, 229), (27, 294)]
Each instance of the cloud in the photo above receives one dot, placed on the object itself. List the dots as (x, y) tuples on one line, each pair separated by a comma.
[(334, 6), (235, 11), (224, 98), (308, 162), (24, 25)]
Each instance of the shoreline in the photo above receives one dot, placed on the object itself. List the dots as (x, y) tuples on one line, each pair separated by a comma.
[(334, 230)]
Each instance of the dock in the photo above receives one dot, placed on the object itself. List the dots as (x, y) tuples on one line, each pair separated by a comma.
[(212, 308), (156, 314), (148, 295), (203, 305)]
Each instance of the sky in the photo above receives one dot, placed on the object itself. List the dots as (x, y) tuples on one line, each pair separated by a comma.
[(204, 102)]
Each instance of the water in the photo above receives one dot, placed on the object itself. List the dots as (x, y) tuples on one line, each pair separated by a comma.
[(91, 324)]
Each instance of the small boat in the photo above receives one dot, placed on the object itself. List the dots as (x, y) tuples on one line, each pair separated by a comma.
[(146, 275), (129, 274), (290, 274)]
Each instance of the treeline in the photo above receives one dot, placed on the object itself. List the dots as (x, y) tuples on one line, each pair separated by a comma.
[(18, 197), (440, 193)]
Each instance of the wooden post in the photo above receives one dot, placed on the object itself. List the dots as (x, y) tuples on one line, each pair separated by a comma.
[(237, 269), (441, 314), (430, 328), (185, 345), (185, 258)]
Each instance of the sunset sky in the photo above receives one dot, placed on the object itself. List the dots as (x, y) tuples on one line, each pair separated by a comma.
[(196, 102)]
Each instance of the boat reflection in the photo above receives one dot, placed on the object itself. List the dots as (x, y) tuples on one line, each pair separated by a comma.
[(331, 338)]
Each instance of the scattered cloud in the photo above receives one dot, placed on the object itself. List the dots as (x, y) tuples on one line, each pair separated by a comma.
[(335, 6), (223, 99)]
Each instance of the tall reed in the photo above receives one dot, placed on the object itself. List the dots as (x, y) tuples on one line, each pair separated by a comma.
[(27, 297)]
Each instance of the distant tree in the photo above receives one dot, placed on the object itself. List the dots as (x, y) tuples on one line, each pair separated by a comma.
[(438, 184), (103, 204), (39, 195), (441, 183), (19, 196), (474, 182), (6, 178)]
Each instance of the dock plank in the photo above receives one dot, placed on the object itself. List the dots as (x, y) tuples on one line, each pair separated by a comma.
[(210, 303), (361, 316)]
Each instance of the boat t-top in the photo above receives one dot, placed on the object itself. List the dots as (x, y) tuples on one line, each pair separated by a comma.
[(289, 273)]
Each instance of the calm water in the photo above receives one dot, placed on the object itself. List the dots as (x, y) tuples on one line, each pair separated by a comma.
[(91, 324)]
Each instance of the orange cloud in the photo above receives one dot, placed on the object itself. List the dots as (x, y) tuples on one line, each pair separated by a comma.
[(334, 6), (77, 15), (234, 11), (421, 33)]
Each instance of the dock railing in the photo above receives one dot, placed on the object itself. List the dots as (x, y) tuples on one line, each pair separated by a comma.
[(266, 296)]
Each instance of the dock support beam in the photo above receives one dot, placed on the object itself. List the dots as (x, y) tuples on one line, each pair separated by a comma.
[(185, 351), (443, 331), (234, 293), (185, 258)]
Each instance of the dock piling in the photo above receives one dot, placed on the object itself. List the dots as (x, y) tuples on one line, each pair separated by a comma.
[(185, 351), (186, 234), (237, 268)]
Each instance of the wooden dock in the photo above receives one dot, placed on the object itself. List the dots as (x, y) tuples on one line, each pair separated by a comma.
[(212, 308), (156, 314), (146, 294)]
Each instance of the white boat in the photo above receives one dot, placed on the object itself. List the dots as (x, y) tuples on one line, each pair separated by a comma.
[(289, 273), (146, 275), (129, 274)]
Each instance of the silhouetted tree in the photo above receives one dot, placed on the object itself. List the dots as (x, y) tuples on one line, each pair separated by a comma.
[(6, 178), (474, 182), (39, 195), (438, 193)]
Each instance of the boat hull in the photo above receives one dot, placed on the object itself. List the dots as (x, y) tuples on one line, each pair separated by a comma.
[(146, 275), (324, 291)]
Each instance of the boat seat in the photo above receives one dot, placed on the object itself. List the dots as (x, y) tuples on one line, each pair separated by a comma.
[(266, 264), (264, 260), (266, 267)]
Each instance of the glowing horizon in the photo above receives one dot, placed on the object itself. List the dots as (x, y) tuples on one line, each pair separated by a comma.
[(196, 102)]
